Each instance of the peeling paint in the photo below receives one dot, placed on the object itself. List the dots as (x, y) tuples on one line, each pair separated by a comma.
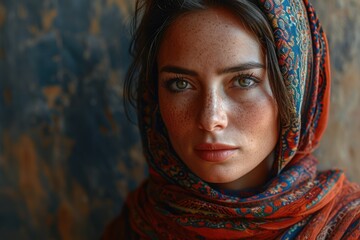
[(51, 93), (29, 182), (48, 19)]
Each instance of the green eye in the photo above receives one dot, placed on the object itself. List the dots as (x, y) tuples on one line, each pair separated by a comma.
[(181, 84), (177, 85), (245, 82)]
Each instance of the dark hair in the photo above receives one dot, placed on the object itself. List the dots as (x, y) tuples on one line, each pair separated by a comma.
[(157, 15)]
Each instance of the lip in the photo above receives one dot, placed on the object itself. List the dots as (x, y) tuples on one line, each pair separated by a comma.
[(214, 152)]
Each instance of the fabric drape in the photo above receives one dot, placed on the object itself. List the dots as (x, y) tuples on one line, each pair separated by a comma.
[(299, 203)]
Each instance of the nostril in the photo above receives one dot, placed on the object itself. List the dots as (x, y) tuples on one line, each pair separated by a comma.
[(212, 115)]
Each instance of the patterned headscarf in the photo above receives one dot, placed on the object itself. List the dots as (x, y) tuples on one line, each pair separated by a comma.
[(299, 202)]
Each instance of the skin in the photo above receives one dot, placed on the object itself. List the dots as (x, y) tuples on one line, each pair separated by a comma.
[(213, 88)]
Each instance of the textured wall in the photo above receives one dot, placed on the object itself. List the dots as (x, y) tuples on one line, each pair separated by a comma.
[(340, 146), (68, 156), (65, 144)]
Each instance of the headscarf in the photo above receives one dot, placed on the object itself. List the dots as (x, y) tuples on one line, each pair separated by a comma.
[(301, 203)]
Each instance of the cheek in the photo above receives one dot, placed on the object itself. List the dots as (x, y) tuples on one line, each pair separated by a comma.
[(176, 117), (259, 119)]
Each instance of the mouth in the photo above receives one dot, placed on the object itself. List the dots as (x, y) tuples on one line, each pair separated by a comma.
[(214, 152)]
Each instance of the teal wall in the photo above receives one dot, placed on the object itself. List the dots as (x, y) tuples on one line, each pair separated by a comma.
[(65, 143), (68, 155)]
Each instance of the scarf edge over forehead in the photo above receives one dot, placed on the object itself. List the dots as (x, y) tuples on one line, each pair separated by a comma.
[(173, 203)]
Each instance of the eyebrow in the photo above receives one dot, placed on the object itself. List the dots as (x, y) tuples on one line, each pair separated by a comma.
[(243, 67), (237, 68)]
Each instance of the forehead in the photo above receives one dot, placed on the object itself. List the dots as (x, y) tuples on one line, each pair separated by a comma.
[(213, 35)]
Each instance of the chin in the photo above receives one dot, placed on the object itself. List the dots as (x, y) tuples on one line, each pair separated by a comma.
[(220, 178)]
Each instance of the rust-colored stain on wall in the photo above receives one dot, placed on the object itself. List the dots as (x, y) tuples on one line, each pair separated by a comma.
[(2, 15), (28, 163), (68, 155), (51, 93), (48, 18)]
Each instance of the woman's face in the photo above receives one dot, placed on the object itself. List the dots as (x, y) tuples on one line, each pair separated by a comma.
[(215, 99)]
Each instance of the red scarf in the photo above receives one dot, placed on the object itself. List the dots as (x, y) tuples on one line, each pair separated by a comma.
[(299, 203)]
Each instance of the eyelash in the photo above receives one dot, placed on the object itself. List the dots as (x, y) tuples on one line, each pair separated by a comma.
[(168, 83), (250, 76)]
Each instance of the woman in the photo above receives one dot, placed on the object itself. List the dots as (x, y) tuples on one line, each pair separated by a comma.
[(232, 99)]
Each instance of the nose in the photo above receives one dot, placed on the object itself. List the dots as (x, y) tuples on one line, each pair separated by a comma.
[(212, 113)]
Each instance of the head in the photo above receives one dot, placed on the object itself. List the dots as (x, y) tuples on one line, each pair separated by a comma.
[(209, 72)]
